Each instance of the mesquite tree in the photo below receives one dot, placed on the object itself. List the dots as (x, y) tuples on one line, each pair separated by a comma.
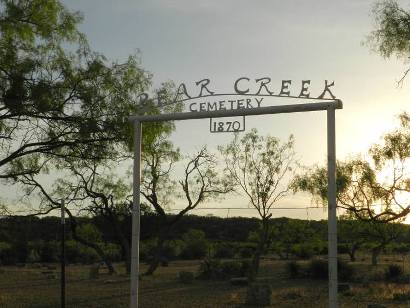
[(373, 189), (200, 182), (391, 36), (261, 167), (57, 101)]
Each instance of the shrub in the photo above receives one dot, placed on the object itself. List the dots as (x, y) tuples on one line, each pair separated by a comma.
[(172, 249), (224, 250), (401, 297), (318, 269), (49, 251), (77, 253), (246, 252), (215, 269), (231, 269), (345, 270), (210, 269), (113, 252), (7, 254), (303, 251), (195, 245), (33, 256), (146, 250), (393, 271), (293, 268)]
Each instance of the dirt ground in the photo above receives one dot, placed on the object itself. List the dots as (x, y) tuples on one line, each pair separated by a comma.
[(39, 286)]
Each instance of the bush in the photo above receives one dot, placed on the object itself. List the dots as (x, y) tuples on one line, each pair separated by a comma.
[(231, 269), (146, 250), (49, 251), (246, 252), (172, 249), (210, 269), (224, 250), (401, 297), (303, 251), (113, 252), (393, 271), (195, 245), (7, 254), (215, 269), (345, 270), (33, 256), (318, 269), (77, 253), (293, 268)]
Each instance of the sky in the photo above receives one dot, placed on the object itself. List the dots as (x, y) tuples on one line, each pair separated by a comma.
[(186, 41)]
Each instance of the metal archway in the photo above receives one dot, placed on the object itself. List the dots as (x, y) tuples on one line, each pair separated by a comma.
[(330, 107)]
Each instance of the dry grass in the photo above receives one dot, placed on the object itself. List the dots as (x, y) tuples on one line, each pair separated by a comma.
[(29, 287)]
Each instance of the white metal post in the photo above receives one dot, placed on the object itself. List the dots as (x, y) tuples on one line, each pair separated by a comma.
[(332, 216), (135, 237)]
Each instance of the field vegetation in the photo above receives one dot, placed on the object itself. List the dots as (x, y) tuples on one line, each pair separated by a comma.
[(200, 267)]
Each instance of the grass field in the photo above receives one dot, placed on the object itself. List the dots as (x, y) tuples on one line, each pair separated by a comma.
[(34, 287)]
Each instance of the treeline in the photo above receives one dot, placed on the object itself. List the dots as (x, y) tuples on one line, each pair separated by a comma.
[(33, 239)]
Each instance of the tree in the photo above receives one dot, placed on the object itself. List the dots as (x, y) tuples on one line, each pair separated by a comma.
[(258, 166), (93, 190), (379, 235), (289, 232), (55, 101), (62, 106), (351, 234), (361, 188), (199, 183), (195, 246), (392, 34)]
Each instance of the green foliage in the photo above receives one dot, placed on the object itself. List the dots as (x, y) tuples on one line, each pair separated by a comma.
[(401, 248), (358, 187), (77, 253), (7, 255), (392, 33), (172, 249), (113, 252), (195, 246), (258, 166), (215, 269), (224, 250), (295, 237), (246, 251), (58, 99), (89, 232), (318, 269), (49, 251), (303, 251), (33, 256)]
